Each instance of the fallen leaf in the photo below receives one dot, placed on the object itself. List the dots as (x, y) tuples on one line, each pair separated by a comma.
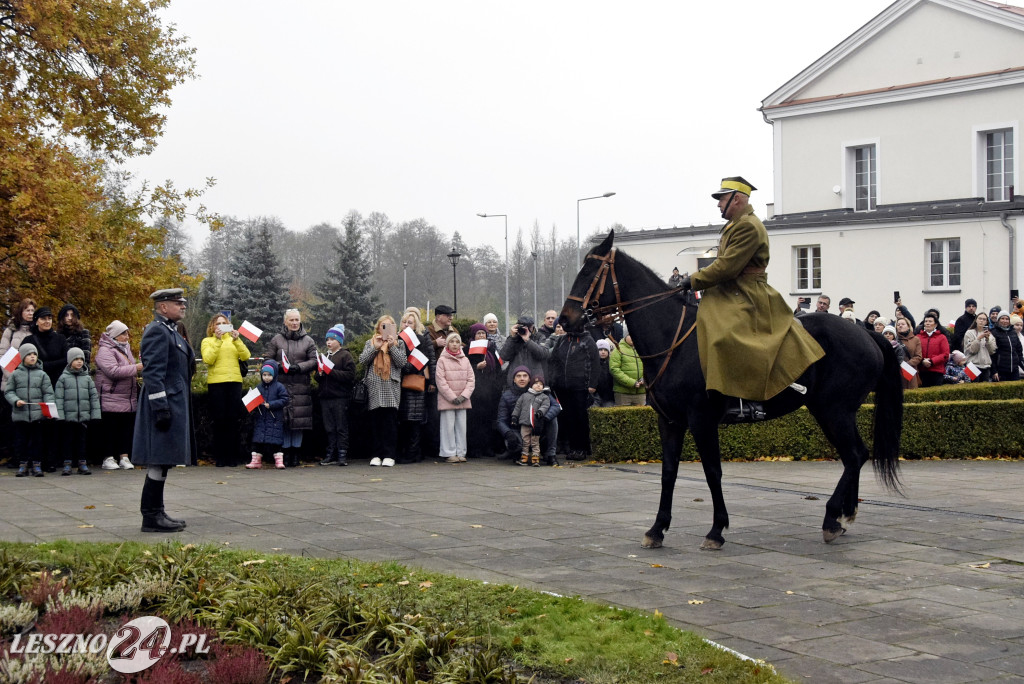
[(89, 508), (147, 553), (695, 602), (811, 498), (568, 660), (435, 535), (657, 565), (254, 562), (426, 584), (363, 586), (671, 657), (82, 527), (790, 592), (632, 555), (981, 566), (109, 505), (707, 670), (402, 583), (698, 500), (186, 547), (377, 479), (648, 632), (222, 483), (53, 552), (227, 543), (275, 548), (658, 613), (476, 525)]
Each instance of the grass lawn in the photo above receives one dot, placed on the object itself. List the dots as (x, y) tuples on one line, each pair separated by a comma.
[(284, 618)]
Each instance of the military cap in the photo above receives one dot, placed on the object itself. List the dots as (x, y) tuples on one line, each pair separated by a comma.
[(734, 184), (171, 294)]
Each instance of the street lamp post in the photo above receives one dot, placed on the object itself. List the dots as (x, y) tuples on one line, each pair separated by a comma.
[(453, 259), (508, 324), (563, 283), (607, 194), (534, 255), (405, 289)]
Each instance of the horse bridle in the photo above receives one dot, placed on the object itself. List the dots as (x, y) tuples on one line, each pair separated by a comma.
[(604, 316)]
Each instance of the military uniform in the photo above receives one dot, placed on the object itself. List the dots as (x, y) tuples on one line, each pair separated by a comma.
[(750, 344)]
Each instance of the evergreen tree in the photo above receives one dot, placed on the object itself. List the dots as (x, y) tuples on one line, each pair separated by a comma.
[(257, 289), (347, 289)]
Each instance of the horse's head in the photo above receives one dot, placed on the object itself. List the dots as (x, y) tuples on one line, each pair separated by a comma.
[(591, 290)]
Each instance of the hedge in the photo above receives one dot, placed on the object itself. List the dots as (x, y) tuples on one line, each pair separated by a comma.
[(937, 429)]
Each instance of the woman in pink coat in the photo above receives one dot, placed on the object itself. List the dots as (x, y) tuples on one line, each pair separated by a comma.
[(455, 385), (116, 379)]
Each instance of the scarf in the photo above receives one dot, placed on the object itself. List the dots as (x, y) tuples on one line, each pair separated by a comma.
[(457, 353), (382, 363)]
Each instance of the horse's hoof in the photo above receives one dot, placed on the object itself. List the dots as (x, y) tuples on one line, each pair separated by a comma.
[(846, 521), (650, 543), (831, 535), (711, 545)]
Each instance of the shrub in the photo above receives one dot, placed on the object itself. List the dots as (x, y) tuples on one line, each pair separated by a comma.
[(238, 665)]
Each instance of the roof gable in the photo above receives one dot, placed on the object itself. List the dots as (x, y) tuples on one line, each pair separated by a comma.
[(914, 42)]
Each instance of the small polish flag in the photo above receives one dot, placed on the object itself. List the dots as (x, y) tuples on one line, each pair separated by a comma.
[(252, 399), (972, 371), (908, 371), (498, 356), (478, 347), (284, 361), (532, 424), (326, 365), (10, 360), (410, 338), (249, 331), (49, 410), (418, 359), (697, 295)]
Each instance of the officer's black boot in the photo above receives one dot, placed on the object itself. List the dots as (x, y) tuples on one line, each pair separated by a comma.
[(744, 411), (152, 508)]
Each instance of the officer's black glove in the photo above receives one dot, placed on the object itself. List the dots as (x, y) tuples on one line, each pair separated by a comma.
[(163, 420), (685, 283)]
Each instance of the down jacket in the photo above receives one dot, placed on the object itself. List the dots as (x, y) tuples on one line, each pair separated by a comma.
[(12, 337), (268, 423), (627, 369), (77, 398), (32, 385), (539, 401), (116, 376), (575, 363), (301, 351), (454, 379)]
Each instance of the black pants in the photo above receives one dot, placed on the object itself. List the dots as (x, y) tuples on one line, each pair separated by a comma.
[(118, 429), (225, 402), (930, 379), (384, 424), (409, 437), (548, 440), (574, 421), (335, 415), (74, 435), (27, 441)]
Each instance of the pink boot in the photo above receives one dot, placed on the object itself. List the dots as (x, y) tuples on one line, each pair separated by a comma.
[(279, 461), (256, 463)]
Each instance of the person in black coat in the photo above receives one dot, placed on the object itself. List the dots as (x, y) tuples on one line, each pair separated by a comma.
[(335, 393), (69, 324), (164, 433), (1007, 360), (481, 426), (573, 369), (963, 324), (52, 349)]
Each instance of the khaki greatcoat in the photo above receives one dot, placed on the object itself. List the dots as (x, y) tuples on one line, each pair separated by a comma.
[(750, 344)]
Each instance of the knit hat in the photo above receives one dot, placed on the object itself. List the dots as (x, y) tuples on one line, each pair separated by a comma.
[(537, 378), (29, 348), (116, 328), (848, 315), (517, 371), (474, 329), (605, 344), (971, 302), (42, 312), (1001, 314), (490, 317), (338, 333), (957, 356), (269, 368), (889, 329), (453, 336), (75, 353), (1015, 319)]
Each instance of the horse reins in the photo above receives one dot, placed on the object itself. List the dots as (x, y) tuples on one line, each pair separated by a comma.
[(604, 315)]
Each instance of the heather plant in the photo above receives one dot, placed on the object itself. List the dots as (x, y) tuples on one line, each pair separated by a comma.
[(44, 587), (15, 618), (238, 665)]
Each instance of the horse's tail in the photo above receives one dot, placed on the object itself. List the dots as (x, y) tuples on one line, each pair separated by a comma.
[(888, 418)]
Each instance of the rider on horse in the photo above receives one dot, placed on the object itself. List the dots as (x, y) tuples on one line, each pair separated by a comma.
[(750, 345)]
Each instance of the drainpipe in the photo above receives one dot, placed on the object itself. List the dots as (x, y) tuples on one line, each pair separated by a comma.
[(1004, 219)]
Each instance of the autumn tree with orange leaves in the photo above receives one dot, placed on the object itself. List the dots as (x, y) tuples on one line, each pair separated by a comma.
[(82, 84)]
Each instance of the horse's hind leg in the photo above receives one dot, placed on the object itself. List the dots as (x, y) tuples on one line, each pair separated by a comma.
[(671, 447), (841, 508)]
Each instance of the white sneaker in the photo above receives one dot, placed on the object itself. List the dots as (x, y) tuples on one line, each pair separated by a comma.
[(126, 464), (110, 464), (388, 462), (375, 461)]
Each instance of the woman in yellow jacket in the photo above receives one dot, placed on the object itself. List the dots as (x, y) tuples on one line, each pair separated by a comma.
[(222, 350), (627, 371)]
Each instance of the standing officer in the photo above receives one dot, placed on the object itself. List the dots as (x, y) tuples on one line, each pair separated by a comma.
[(164, 435), (750, 344)]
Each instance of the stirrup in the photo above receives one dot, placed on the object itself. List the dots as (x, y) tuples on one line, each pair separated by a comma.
[(745, 411)]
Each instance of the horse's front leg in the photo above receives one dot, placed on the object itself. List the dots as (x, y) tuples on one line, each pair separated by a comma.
[(671, 447), (705, 437)]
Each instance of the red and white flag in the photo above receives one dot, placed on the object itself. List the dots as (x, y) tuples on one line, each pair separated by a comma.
[(410, 338), (972, 371), (249, 331), (10, 360), (49, 409), (284, 361), (908, 371), (418, 359), (498, 356), (326, 365), (252, 399), (478, 347), (532, 424)]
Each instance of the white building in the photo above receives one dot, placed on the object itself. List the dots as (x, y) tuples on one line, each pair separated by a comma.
[(895, 159)]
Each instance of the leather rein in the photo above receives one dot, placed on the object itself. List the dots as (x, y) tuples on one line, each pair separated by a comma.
[(604, 316)]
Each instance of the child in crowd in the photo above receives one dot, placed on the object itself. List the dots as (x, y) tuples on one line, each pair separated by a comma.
[(455, 384), (335, 392), (78, 402), (268, 423), (28, 386), (530, 409)]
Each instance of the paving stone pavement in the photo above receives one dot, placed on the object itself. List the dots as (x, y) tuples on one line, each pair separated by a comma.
[(927, 588)]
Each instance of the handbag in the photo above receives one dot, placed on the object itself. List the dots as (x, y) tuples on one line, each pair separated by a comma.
[(359, 395), (414, 382), (243, 367)]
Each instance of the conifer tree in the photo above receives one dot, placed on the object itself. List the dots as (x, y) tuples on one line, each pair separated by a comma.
[(347, 290), (257, 289)]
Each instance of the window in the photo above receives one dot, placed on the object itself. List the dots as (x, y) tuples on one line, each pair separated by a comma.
[(944, 263), (808, 268), (865, 175), (998, 165)]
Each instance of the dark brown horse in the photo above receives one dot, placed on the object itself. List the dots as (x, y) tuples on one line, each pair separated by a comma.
[(612, 285)]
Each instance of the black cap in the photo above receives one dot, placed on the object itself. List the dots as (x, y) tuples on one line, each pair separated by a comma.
[(971, 302), (42, 312), (846, 300), (443, 310)]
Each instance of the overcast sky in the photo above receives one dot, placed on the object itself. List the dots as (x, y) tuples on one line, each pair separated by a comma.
[(307, 109)]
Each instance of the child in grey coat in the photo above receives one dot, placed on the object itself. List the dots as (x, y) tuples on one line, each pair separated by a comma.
[(530, 409), (78, 402)]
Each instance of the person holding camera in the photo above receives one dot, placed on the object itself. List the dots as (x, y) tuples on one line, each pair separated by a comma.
[(384, 355), (222, 349), (980, 346), (520, 349)]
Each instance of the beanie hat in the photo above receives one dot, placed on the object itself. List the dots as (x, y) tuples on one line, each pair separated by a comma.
[(453, 336), (517, 371), (605, 344), (1015, 319), (889, 329), (957, 356), (116, 328), (268, 368), (75, 353), (971, 302), (490, 317), (337, 332), (474, 329), (42, 312), (537, 378), (29, 348)]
